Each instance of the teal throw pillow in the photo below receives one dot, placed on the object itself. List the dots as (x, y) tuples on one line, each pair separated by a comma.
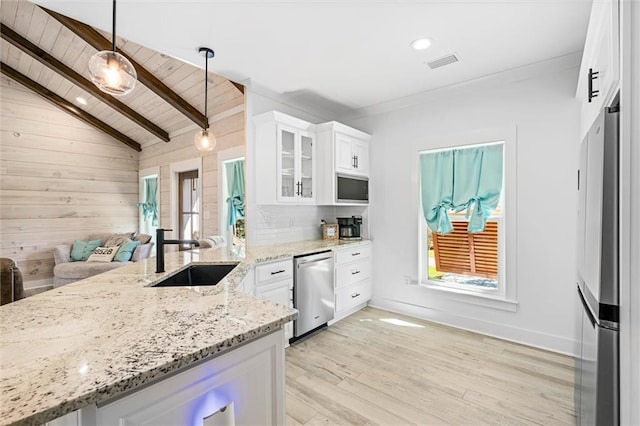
[(126, 251), (81, 250)]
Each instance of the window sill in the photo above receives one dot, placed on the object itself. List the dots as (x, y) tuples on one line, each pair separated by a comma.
[(473, 298)]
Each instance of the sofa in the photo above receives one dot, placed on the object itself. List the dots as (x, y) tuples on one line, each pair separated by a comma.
[(71, 265), (11, 286)]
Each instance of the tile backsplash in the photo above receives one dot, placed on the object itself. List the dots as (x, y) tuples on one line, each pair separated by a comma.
[(281, 224)]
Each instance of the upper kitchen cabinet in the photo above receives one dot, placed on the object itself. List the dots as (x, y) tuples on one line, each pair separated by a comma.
[(600, 68), (352, 155), (346, 149), (342, 151), (285, 166)]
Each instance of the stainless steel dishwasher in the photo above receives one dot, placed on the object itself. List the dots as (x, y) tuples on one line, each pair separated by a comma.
[(313, 294)]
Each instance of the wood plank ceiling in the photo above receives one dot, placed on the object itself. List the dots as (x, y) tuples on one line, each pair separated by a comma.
[(58, 44)]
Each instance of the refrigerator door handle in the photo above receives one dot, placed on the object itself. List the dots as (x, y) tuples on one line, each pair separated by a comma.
[(592, 319)]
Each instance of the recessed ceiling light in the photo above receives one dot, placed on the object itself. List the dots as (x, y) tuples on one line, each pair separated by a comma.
[(421, 43), (81, 101)]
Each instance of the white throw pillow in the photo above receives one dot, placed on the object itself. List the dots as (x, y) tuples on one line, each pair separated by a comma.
[(103, 254)]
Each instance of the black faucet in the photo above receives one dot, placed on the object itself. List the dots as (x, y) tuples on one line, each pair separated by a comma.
[(160, 242)]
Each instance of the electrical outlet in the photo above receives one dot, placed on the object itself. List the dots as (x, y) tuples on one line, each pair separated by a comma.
[(407, 280)]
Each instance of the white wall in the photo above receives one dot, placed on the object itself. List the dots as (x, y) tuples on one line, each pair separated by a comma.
[(539, 101), (277, 223)]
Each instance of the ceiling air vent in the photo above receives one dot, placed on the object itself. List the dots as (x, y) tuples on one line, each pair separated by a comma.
[(441, 62)]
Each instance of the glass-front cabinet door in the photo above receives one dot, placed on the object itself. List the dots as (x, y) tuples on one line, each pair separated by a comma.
[(295, 165), (286, 164), (306, 166)]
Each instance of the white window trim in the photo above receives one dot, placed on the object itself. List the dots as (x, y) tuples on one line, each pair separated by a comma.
[(175, 169), (506, 296)]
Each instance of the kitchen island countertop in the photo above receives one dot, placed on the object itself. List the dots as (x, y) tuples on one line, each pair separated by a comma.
[(89, 341)]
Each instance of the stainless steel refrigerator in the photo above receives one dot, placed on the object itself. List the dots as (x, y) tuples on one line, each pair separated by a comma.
[(597, 366)]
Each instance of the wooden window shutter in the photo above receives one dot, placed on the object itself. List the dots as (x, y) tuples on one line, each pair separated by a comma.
[(468, 254)]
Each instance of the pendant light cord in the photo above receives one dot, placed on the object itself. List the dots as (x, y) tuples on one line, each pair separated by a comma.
[(113, 41), (206, 84)]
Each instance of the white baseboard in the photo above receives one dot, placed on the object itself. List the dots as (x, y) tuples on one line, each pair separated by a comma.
[(501, 331)]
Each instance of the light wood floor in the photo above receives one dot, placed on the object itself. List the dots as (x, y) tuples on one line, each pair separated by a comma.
[(364, 370)]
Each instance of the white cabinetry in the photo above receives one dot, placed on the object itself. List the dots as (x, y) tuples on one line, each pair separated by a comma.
[(274, 282), (83, 417), (352, 155), (352, 279), (243, 386), (286, 165), (341, 150), (600, 68)]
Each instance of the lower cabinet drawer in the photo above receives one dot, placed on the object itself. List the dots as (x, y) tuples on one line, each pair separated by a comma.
[(274, 271), (353, 253), (352, 296), (352, 273)]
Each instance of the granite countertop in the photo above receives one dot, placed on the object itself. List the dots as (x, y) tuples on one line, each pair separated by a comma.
[(88, 341)]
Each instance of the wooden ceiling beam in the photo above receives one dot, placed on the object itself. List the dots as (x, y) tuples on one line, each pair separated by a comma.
[(67, 72), (67, 106), (95, 39)]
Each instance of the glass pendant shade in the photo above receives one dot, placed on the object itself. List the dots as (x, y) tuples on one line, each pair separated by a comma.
[(112, 73), (205, 140)]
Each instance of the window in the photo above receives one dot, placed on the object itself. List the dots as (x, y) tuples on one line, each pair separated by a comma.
[(231, 196), (465, 191), (470, 260), (233, 190), (149, 202), (188, 214)]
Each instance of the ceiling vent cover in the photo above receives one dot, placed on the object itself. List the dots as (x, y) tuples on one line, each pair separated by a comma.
[(441, 62)]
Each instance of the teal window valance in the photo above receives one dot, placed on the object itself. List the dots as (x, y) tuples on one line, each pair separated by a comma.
[(466, 179)]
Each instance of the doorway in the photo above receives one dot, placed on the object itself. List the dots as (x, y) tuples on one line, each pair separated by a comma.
[(185, 207)]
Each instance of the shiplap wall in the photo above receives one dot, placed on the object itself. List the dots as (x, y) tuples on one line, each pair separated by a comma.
[(228, 124), (60, 180)]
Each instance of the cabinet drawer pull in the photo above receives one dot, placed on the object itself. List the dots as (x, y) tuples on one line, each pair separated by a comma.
[(355, 254), (355, 272), (353, 296), (278, 272)]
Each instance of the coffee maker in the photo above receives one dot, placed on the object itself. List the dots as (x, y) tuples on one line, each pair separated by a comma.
[(350, 227)]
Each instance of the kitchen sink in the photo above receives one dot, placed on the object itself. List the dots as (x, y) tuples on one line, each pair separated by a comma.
[(197, 275)]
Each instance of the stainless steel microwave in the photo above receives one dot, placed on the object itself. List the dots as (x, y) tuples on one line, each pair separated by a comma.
[(352, 189)]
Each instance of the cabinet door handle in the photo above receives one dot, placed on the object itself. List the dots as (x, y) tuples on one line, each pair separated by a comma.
[(357, 162), (355, 272), (301, 187), (355, 254), (592, 76), (353, 161), (277, 272), (298, 188), (353, 296)]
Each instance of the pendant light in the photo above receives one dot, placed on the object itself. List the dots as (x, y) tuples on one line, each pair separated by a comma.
[(204, 139), (111, 71)]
